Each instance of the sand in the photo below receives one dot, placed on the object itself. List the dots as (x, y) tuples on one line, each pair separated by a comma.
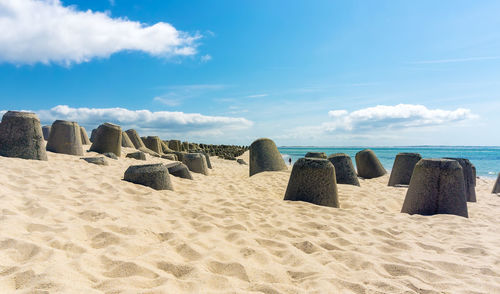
[(67, 226)]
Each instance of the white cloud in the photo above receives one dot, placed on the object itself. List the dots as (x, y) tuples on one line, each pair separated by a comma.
[(257, 96), (337, 113), (177, 94), (45, 31), (162, 123), (399, 116), (376, 124), (206, 58), (167, 101)]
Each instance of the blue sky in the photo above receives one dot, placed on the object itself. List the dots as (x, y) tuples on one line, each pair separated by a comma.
[(325, 73)]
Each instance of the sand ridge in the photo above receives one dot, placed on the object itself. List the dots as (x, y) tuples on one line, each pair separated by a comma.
[(67, 226)]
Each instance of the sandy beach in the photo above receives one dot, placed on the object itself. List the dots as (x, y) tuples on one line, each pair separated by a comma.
[(68, 226)]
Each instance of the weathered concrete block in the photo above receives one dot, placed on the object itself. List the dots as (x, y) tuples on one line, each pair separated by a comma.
[(92, 135), (126, 141), (344, 169), (148, 151), (313, 180), (21, 136), (436, 187), (65, 137), (153, 143), (180, 155), (155, 176), (402, 168), (180, 170), (96, 160), (169, 156), (496, 187), (264, 156), (110, 155), (164, 147), (175, 145), (139, 155), (134, 137), (469, 178), (85, 137), (316, 155), (108, 138), (474, 175), (196, 163), (368, 165), (207, 157), (46, 132)]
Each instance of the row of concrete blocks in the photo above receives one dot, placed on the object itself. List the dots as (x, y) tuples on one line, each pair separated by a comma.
[(21, 136), (436, 186), (264, 156), (370, 167), (156, 176)]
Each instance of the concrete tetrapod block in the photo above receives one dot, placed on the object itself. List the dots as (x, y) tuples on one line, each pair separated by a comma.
[(469, 178), (21, 136), (185, 146), (165, 149), (436, 187), (196, 162), (169, 157), (96, 160), (139, 155), (46, 132), (474, 174), (126, 141), (92, 135), (207, 157), (264, 156), (110, 155), (313, 180), (180, 170), (153, 143), (316, 154), (155, 176), (148, 151), (85, 137), (496, 187), (175, 145), (344, 169), (108, 138), (402, 169), (180, 155), (368, 165), (134, 137), (65, 137)]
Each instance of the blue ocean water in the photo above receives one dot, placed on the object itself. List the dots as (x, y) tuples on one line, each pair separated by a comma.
[(486, 159)]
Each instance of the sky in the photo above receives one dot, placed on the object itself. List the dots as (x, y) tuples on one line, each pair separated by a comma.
[(303, 73)]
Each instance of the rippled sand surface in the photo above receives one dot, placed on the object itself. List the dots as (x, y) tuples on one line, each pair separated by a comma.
[(67, 226)]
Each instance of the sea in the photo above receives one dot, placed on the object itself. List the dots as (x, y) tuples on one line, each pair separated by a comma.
[(486, 159)]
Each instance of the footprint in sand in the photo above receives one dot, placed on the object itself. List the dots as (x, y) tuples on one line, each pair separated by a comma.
[(178, 270), (232, 269)]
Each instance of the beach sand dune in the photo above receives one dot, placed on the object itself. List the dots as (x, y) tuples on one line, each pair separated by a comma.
[(67, 226)]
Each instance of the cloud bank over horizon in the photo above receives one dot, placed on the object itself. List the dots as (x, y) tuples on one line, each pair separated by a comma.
[(371, 125), (161, 123), (45, 31), (398, 116), (378, 123)]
